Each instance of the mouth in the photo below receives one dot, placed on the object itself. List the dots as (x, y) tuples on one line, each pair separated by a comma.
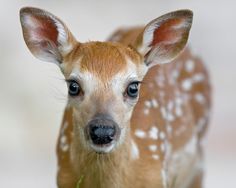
[(103, 148)]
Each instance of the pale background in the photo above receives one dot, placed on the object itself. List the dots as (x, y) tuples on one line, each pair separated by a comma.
[(32, 94)]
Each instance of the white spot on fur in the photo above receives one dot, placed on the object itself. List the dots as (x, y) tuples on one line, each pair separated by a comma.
[(146, 111), (178, 101), (198, 77), (163, 112), (170, 105), (153, 133), (63, 143), (175, 74), (152, 148), (139, 133), (189, 66), (187, 84), (134, 150), (64, 146), (200, 98), (148, 104), (154, 103), (178, 111), (155, 157), (170, 117), (63, 139), (162, 135)]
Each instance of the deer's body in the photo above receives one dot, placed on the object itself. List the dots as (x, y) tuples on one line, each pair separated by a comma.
[(162, 143), (174, 117)]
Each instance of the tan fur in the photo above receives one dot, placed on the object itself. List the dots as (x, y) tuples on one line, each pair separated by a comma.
[(160, 134), (95, 57), (117, 169)]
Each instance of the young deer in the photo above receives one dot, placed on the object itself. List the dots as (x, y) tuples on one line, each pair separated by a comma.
[(133, 119)]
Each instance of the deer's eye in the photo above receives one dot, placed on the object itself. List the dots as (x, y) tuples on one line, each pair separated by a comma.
[(74, 88), (132, 90)]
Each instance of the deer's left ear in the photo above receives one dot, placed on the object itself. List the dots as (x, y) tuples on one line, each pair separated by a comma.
[(165, 37)]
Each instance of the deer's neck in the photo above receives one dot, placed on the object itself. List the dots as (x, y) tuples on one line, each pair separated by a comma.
[(103, 170)]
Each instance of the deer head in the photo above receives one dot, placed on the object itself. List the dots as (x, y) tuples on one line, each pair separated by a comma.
[(103, 77)]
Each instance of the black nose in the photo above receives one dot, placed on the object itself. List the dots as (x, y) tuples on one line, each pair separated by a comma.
[(102, 130), (102, 134)]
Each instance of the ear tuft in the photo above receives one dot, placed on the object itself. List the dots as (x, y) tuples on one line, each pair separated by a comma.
[(165, 37)]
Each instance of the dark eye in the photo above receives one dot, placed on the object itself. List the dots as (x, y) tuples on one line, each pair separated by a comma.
[(74, 88), (132, 90)]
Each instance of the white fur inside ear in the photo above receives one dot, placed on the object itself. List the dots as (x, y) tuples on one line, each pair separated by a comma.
[(63, 38), (147, 39), (183, 24), (41, 44), (148, 34), (158, 56), (62, 35), (32, 24), (165, 37)]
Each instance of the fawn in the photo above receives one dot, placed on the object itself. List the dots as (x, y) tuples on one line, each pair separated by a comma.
[(136, 116)]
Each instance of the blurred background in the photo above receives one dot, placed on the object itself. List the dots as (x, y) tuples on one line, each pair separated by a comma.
[(33, 94)]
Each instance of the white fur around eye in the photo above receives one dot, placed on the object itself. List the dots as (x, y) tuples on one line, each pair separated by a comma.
[(132, 72), (88, 81)]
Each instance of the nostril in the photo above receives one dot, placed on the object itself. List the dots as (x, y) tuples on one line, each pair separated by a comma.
[(101, 134), (103, 130)]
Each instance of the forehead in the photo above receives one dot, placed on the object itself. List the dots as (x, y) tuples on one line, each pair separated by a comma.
[(103, 59)]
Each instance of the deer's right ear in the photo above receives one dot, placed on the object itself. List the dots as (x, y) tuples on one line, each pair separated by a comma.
[(46, 36)]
